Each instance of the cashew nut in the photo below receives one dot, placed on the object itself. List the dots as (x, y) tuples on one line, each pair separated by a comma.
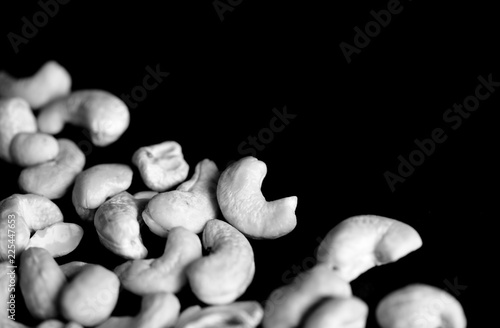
[(161, 166), (359, 243), (225, 274), (16, 116), (420, 306), (91, 296), (102, 113), (287, 305), (24, 214), (28, 149), (41, 282), (49, 82), (95, 184), (191, 205), (341, 312), (243, 205), (52, 179), (167, 273), (243, 314), (159, 310), (59, 238), (117, 222)]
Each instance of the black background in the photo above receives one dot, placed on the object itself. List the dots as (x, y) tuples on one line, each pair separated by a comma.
[(353, 119)]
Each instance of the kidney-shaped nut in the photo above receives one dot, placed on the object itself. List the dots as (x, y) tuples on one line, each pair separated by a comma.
[(339, 312), (191, 205), (49, 82), (166, 273), (41, 282), (243, 205), (420, 306), (227, 271), (24, 214), (117, 222), (243, 314), (52, 179), (287, 305), (359, 243), (16, 116), (91, 296), (95, 184), (28, 149), (102, 113), (158, 310), (161, 166), (59, 239)]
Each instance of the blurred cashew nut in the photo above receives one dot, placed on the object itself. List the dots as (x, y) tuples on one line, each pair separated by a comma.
[(340, 312), (28, 149)]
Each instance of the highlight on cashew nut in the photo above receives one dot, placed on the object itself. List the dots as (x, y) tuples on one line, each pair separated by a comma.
[(244, 206)]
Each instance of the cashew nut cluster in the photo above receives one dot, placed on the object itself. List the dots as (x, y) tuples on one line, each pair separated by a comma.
[(191, 205), (105, 115), (420, 306), (50, 82), (359, 243), (162, 165), (243, 205)]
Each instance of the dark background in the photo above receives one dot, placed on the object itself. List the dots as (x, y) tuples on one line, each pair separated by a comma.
[(353, 120)]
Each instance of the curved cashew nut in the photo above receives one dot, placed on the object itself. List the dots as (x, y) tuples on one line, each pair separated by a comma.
[(24, 214), (225, 274), (28, 149), (243, 205), (117, 222), (91, 296), (339, 312), (41, 282), (59, 238), (244, 314), (16, 116), (52, 179), (420, 306), (167, 273), (162, 166), (95, 184), (102, 113), (359, 243), (191, 205), (49, 82), (159, 310), (287, 305)]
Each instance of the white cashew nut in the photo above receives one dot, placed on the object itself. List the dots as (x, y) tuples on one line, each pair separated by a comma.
[(51, 81), (341, 312), (59, 238), (191, 205), (420, 306), (243, 205), (28, 149), (359, 243), (225, 274)]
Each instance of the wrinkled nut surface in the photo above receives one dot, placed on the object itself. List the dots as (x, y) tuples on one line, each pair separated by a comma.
[(287, 305), (105, 115), (117, 222), (51, 81), (41, 282), (161, 166), (339, 312), (59, 239), (244, 314), (191, 205), (225, 274), (28, 149), (359, 243), (420, 306), (52, 179), (158, 310), (16, 116), (243, 205), (25, 214), (168, 272), (91, 296), (94, 185)]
